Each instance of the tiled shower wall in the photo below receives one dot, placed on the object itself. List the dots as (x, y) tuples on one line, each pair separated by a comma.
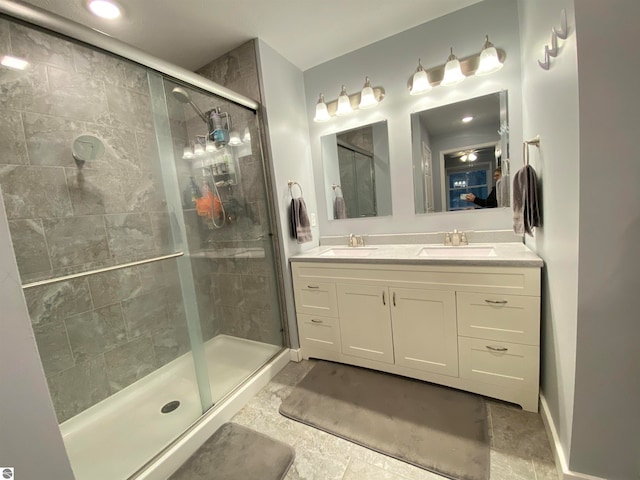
[(97, 334)]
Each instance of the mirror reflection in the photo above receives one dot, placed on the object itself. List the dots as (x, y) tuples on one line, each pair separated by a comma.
[(356, 172), (460, 155)]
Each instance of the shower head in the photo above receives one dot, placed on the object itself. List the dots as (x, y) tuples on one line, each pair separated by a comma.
[(183, 96)]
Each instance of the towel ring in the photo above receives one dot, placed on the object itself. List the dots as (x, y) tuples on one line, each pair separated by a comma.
[(291, 183)]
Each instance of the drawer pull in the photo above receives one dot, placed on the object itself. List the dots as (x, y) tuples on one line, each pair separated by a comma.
[(384, 301), (313, 286), (394, 299), (497, 302), (314, 320), (499, 349)]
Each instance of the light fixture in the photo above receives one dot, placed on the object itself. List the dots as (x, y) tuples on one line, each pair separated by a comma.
[(14, 62), (344, 104), (470, 156), (322, 113), (246, 137), (452, 72), (467, 119), (210, 145), (234, 138), (187, 153), (104, 9), (420, 81), (489, 60), (198, 150), (367, 97)]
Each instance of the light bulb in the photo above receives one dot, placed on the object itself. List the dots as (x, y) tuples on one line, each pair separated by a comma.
[(489, 60), (187, 153), (104, 9), (420, 83), (198, 150), (234, 138), (472, 157), (367, 97), (452, 72), (464, 157), (322, 113), (467, 119), (210, 146), (344, 104)]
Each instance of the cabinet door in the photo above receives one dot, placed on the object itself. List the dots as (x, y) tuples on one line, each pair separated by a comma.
[(365, 324), (424, 330)]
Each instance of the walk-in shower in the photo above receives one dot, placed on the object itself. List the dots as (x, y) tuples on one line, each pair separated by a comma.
[(147, 264)]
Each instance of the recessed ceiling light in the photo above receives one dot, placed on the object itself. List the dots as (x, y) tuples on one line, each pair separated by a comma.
[(104, 9), (14, 62), (467, 119)]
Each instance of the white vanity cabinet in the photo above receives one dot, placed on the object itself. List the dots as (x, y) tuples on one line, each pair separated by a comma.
[(475, 328)]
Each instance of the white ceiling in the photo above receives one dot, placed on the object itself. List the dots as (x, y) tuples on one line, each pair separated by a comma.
[(191, 33)]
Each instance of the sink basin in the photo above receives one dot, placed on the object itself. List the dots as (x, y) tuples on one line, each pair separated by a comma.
[(461, 251), (349, 252)]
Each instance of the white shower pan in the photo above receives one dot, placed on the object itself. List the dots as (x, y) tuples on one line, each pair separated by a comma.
[(113, 439)]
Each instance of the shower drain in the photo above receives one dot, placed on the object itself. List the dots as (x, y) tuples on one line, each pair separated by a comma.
[(170, 407)]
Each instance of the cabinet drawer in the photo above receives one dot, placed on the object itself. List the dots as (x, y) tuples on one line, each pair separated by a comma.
[(507, 318), (316, 298), (319, 332), (499, 363)]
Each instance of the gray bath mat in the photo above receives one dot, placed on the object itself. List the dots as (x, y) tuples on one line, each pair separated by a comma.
[(435, 428), (235, 452)]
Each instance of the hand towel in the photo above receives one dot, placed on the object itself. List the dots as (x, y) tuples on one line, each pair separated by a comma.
[(300, 225), (526, 210), (339, 207), (502, 191)]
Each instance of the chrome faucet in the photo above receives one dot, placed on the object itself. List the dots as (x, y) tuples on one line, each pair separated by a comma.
[(355, 240), (455, 238)]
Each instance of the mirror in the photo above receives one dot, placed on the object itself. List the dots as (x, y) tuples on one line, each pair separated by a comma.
[(460, 155), (86, 148), (356, 172)]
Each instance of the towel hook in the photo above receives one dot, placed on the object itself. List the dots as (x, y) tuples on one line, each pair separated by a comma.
[(291, 183), (336, 186)]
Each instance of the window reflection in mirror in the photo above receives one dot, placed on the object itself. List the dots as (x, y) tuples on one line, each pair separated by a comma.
[(460, 155), (356, 172)]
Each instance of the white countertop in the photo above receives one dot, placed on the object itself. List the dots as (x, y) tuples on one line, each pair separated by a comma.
[(479, 254)]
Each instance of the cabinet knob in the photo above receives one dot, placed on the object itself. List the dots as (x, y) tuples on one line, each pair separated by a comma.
[(496, 349), (497, 302)]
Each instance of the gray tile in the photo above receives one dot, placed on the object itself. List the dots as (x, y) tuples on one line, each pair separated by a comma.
[(256, 290), (129, 234), (114, 286), (171, 343), (78, 388), (99, 65), (146, 314), (310, 466), (136, 78), (96, 332), (12, 139), (129, 108), (5, 41), (34, 192), (77, 240), (129, 362), (160, 223), (53, 347), (519, 433), (148, 151), (50, 139), (54, 302), (40, 47), (545, 470), (30, 246), (510, 467), (227, 289), (70, 95), (18, 87)]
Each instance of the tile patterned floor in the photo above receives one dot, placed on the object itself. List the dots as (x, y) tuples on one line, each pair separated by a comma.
[(519, 446)]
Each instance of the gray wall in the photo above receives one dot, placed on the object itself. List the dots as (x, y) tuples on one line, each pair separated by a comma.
[(389, 63), (288, 140), (586, 117), (606, 423)]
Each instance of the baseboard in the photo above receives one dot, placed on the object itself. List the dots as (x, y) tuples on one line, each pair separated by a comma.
[(561, 461), (295, 355)]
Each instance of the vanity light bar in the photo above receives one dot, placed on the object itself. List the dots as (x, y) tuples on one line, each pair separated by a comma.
[(368, 97), (469, 66)]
